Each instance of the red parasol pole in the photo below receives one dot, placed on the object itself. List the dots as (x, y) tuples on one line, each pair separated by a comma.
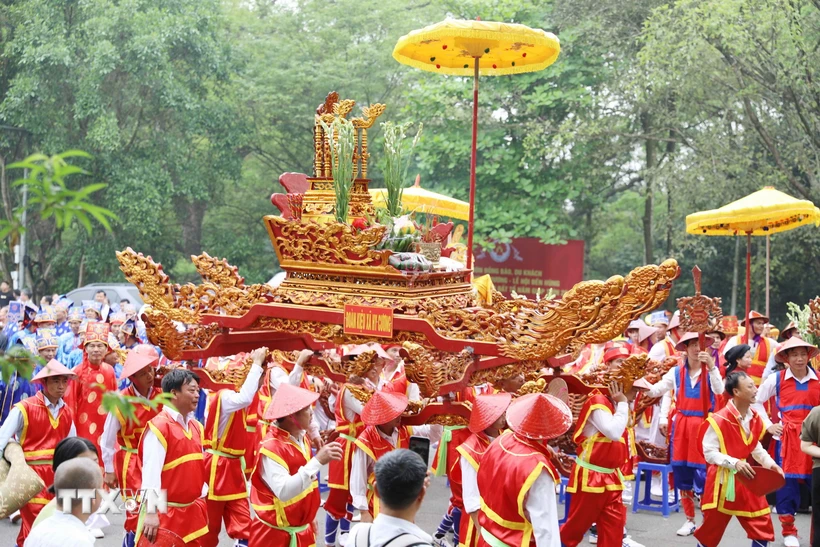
[(748, 287), (472, 169)]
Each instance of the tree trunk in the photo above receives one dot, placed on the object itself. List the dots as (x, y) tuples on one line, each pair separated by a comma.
[(82, 271), (735, 274), (193, 214), (650, 150)]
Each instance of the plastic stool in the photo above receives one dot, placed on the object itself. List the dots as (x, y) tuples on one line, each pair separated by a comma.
[(647, 503), (565, 498)]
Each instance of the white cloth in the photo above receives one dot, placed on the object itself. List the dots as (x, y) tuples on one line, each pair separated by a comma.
[(233, 401), (768, 389), (351, 406), (108, 440), (611, 425), (732, 342), (14, 423), (469, 485), (658, 351), (153, 453), (362, 465), (711, 446), (669, 380), (284, 485), (384, 529), (60, 530), (541, 509)]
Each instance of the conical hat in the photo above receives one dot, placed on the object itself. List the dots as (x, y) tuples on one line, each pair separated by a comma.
[(684, 340), (487, 409), (289, 399), (794, 342), (384, 407), (539, 416), (52, 368), (787, 328), (135, 362), (754, 315)]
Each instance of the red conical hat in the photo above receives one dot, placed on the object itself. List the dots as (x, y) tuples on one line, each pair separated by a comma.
[(487, 409), (616, 352), (52, 368), (754, 315), (135, 362), (539, 416), (684, 340), (794, 342), (289, 399), (384, 407)]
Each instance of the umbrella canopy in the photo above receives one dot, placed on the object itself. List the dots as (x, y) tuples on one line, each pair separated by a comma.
[(767, 211), (449, 47), (417, 198)]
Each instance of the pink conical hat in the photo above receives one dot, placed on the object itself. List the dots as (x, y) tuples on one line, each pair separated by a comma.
[(539, 416), (289, 399), (135, 362), (52, 368), (487, 409)]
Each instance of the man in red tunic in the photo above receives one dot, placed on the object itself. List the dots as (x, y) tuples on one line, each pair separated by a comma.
[(171, 460), (685, 454), (596, 480), (94, 378), (284, 487), (121, 435), (731, 435), (384, 432), (226, 442), (796, 390), (487, 421), (516, 478), (39, 423), (763, 348)]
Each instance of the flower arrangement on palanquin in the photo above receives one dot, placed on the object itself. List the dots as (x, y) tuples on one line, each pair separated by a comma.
[(343, 287)]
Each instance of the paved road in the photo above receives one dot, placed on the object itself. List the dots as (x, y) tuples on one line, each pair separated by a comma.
[(650, 529)]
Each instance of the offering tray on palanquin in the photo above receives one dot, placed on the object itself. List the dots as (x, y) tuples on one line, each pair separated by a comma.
[(650, 453)]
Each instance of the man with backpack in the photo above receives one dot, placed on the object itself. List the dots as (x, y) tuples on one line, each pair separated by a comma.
[(401, 483)]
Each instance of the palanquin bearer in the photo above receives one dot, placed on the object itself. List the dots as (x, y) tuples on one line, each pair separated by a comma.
[(347, 411), (384, 432), (39, 423), (516, 478), (763, 348), (730, 436), (487, 421), (284, 488), (596, 479), (663, 346), (171, 460), (121, 435), (94, 378), (226, 440), (685, 453), (796, 391)]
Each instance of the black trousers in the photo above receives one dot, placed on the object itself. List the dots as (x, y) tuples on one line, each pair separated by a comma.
[(815, 507)]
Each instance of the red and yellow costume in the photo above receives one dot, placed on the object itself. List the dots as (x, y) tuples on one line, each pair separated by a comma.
[(471, 449), (225, 465), (760, 356), (338, 477), (509, 460), (126, 460), (719, 503), (376, 446), (38, 439), (183, 475), (597, 479), (287, 523)]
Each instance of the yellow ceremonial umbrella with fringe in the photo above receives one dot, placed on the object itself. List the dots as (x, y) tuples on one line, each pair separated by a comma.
[(432, 203), (762, 213), (463, 48)]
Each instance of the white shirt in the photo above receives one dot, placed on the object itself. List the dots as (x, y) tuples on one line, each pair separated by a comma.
[(233, 401), (469, 485), (153, 456), (108, 440), (541, 509), (13, 425), (362, 465), (351, 406), (711, 446), (60, 530), (284, 485), (611, 425), (669, 381), (768, 389), (658, 351), (384, 529)]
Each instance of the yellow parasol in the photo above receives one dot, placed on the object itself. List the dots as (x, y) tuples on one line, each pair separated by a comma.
[(417, 198), (461, 48), (762, 213)]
